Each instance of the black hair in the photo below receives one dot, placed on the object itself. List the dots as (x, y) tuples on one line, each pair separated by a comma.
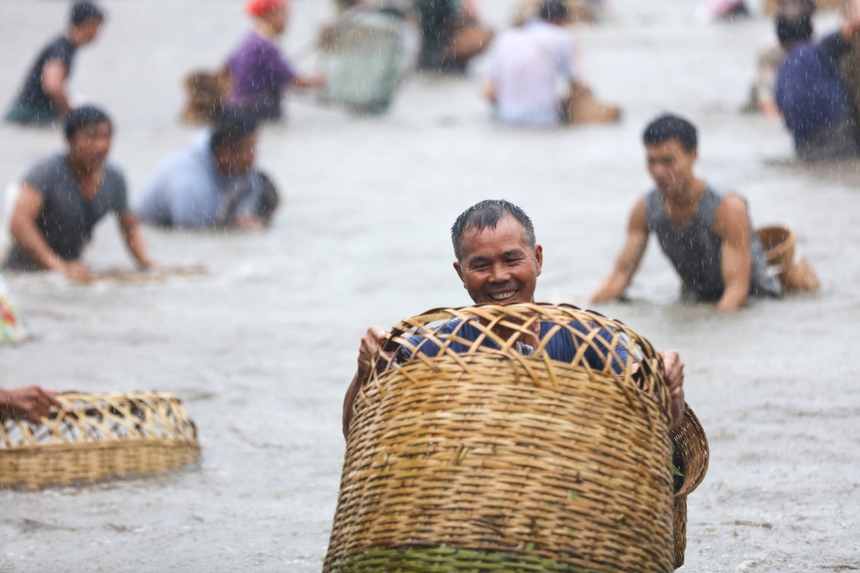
[(553, 10), (487, 214), (83, 11), (83, 116), (791, 29), (229, 130), (269, 197), (668, 127)]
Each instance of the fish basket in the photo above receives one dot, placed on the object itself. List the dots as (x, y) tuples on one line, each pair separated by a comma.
[(96, 436), (778, 243), (473, 449), (691, 457)]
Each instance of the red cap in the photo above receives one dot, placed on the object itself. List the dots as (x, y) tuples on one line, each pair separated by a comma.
[(261, 7)]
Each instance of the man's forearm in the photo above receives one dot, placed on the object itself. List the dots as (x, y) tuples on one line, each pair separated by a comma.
[(733, 299), (60, 100), (30, 241), (349, 399), (612, 288)]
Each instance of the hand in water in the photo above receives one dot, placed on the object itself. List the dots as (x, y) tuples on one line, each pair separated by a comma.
[(30, 404), (673, 370), (77, 272)]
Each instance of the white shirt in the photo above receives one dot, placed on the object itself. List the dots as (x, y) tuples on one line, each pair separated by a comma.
[(526, 65)]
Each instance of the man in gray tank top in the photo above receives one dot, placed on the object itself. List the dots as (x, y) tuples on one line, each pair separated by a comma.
[(708, 236)]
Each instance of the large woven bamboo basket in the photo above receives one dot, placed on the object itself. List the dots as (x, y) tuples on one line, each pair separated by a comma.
[(693, 454), (95, 436), (482, 457)]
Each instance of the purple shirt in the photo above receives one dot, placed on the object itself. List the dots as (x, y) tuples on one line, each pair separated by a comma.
[(259, 75)]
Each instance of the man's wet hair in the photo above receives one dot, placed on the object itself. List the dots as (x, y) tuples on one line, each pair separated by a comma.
[(668, 127), (83, 11), (83, 116), (553, 10), (230, 129), (794, 28), (487, 214)]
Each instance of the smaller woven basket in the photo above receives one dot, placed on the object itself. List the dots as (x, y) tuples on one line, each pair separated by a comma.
[(96, 436), (778, 243), (692, 447)]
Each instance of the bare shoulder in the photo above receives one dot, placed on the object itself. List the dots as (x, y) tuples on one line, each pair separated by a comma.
[(638, 219), (732, 216)]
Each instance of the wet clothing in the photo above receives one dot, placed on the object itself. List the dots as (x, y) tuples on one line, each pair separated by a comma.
[(34, 105), (259, 75), (813, 100), (561, 346), (188, 191), (526, 65), (696, 251), (439, 20), (67, 218)]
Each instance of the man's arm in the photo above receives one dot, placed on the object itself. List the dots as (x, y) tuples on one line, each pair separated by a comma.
[(30, 240), (133, 236), (628, 262), (30, 404), (54, 83), (673, 371), (732, 225), (370, 344)]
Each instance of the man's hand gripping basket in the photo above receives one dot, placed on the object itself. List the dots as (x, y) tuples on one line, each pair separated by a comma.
[(95, 436), (483, 458)]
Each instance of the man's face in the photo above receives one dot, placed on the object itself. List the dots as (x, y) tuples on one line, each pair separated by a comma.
[(88, 30), (498, 266), (90, 145), (671, 167), (277, 19), (238, 160)]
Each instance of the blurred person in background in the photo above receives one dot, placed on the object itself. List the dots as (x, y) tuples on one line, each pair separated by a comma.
[(706, 235), (810, 92), (44, 98), (65, 195), (259, 73), (213, 183), (726, 10), (451, 34), (526, 65), (29, 404), (768, 63)]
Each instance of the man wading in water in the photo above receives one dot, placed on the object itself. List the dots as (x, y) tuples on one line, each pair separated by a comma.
[(708, 237), (499, 262)]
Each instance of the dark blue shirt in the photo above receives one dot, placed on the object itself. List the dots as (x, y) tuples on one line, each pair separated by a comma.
[(809, 90), (561, 346)]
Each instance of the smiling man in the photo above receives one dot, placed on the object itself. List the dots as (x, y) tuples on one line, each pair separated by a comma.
[(498, 262), (707, 236)]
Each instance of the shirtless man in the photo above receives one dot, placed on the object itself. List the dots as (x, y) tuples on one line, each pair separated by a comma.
[(707, 236), (498, 262), (44, 99)]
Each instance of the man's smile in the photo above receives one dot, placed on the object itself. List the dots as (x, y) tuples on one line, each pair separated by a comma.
[(503, 296)]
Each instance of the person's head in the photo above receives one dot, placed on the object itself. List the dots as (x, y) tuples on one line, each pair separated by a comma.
[(269, 197), (498, 259), (89, 132), (671, 147), (554, 12), (793, 29), (273, 13), (791, 7), (234, 143), (85, 21)]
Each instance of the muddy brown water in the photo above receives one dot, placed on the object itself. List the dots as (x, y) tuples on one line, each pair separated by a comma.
[(262, 347)]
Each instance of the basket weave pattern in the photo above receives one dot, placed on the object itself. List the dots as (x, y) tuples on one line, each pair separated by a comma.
[(95, 436), (488, 454)]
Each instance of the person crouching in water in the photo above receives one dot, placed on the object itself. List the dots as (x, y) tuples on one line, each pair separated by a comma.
[(259, 73), (810, 92), (65, 195), (44, 98), (707, 236), (526, 64), (213, 183)]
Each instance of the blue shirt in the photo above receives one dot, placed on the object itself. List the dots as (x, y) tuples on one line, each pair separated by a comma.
[(561, 346), (809, 90), (187, 190)]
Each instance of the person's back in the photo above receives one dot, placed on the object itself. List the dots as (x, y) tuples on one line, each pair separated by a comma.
[(527, 64), (810, 92)]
